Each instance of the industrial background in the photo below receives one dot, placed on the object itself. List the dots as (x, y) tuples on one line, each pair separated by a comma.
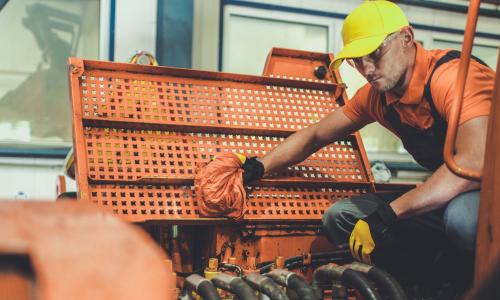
[(53, 109)]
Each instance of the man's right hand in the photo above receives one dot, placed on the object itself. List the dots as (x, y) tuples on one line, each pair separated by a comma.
[(253, 169)]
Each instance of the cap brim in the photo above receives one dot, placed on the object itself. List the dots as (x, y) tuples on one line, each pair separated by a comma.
[(357, 48)]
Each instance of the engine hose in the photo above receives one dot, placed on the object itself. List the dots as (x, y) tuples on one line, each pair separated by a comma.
[(232, 267), (202, 286), (346, 254), (315, 262), (382, 279), (266, 286), (358, 281), (293, 282), (348, 277), (235, 285)]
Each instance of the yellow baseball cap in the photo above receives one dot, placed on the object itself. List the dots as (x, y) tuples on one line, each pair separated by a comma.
[(366, 27)]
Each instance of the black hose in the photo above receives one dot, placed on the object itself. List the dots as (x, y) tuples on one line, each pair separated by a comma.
[(293, 282), (242, 290), (314, 262), (318, 255), (207, 291), (266, 286), (235, 285), (382, 279), (348, 277), (298, 261), (387, 283), (299, 286), (232, 267), (358, 281), (202, 286)]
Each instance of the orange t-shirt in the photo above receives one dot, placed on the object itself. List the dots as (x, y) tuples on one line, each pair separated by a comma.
[(365, 107)]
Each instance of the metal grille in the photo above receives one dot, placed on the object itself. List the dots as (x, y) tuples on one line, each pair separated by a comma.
[(140, 131), (132, 155), (141, 203), (169, 100)]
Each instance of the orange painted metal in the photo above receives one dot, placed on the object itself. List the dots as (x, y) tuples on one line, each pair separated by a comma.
[(61, 185), (268, 242), (299, 65), (140, 131), (456, 108), (75, 251), (488, 228), (304, 65)]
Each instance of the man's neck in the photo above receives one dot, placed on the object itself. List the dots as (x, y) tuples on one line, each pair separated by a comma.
[(404, 81)]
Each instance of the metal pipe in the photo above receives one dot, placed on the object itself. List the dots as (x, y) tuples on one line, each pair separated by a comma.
[(293, 282), (382, 279), (266, 286), (202, 286), (348, 277), (235, 285), (456, 108)]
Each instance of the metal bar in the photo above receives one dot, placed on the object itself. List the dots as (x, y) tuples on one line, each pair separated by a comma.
[(488, 226), (456, 108)]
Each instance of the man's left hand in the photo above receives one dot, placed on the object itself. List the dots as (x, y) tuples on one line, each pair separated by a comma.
[(372, 231)]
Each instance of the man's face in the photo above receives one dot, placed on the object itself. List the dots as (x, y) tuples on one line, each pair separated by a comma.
[(383, 68)]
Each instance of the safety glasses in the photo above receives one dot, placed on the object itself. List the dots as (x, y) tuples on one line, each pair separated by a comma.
[(375, 56)]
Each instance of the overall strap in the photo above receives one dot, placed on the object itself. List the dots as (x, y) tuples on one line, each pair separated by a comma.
[(450, 55)]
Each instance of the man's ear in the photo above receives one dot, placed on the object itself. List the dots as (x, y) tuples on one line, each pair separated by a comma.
[(408, 36)]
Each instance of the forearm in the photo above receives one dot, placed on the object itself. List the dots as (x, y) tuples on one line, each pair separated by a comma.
[(296, 148), (434, 193)]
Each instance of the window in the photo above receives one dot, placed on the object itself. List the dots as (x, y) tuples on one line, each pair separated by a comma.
[(37, 37), (249, 35)]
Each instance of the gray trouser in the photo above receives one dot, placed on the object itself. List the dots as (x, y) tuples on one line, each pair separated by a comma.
[(459, 219), (431, 246)]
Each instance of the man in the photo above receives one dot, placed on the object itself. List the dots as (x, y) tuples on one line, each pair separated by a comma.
[(409, 91)]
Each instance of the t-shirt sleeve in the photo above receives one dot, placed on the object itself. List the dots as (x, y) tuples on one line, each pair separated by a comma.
[(478, 91), (357, 108)]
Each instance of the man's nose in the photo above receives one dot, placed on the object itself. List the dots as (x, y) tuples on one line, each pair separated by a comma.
[(367, 66)]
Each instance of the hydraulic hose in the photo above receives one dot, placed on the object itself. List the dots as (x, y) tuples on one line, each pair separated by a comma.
[(293, 282), (318, 255), (348, 277), (382, 279), (338, 256), (202, 286), (235, 285), (266, 286), (232, 267)]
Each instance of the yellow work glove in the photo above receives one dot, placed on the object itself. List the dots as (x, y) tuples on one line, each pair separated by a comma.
[(372, 231)]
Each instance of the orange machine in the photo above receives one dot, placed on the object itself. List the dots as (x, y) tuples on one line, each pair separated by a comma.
[(140, 131)]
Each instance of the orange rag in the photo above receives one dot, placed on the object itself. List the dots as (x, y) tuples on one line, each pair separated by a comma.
[(219, 187)]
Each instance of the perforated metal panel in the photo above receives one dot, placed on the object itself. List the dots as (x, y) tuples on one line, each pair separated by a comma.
[(167, 100), (132, 155), (174, 202), (140, 131)]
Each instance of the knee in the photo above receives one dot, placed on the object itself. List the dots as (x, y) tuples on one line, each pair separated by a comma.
[(338, 222), (460, 220)]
